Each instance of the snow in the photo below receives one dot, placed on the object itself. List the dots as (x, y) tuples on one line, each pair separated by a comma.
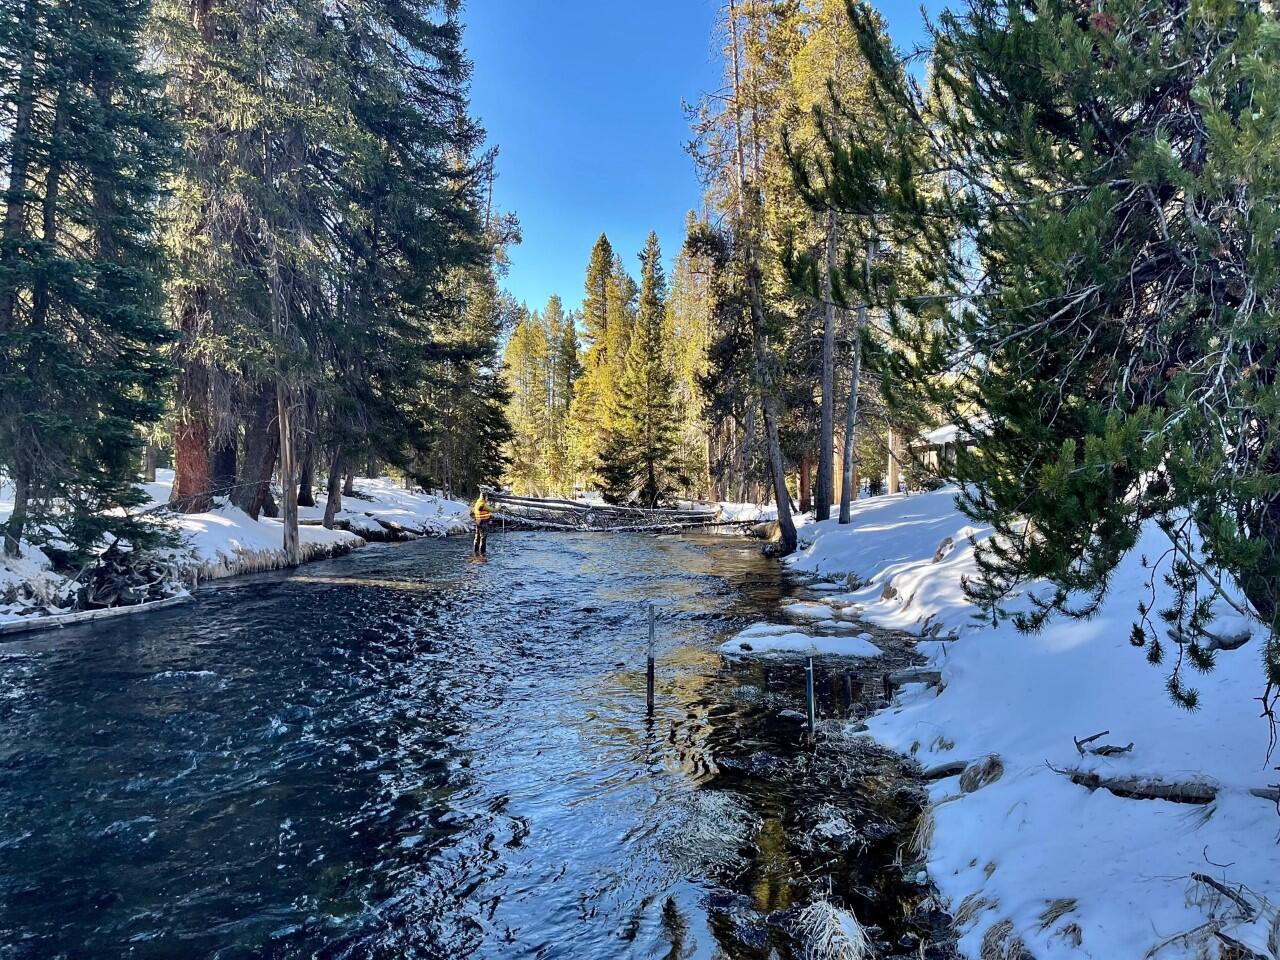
[(226, 541), (770, 639), (1034, 837)]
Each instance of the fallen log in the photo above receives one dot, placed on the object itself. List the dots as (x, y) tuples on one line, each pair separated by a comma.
[(952, 768), (900, 678), (1144, 788)]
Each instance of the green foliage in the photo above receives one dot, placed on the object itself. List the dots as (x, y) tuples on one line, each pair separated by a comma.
[(86, 143), (638, 458), (1083, 205)]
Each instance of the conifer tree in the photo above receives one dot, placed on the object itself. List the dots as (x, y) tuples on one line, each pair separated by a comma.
[(85, 146), (1114, 168), (639, 456)]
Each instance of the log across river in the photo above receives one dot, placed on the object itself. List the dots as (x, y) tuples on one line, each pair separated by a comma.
[(408, 753)]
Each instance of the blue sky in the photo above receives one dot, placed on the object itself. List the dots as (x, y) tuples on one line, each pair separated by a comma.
[(583, 98)]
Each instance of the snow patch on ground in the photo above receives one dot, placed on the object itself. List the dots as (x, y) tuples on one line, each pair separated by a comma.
[(764, 639), (1058, 862)]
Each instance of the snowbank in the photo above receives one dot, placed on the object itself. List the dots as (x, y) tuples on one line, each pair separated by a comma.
[(1033, 855), (226, 541), (768, 638)]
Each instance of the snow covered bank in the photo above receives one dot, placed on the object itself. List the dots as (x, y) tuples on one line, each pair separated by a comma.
[(1046, 844), (771, 638), (226, 541)]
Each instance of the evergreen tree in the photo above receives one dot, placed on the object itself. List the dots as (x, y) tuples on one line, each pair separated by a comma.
[(589, 414), (526, 371), (85, 146), (1108, 339), (639, 456)]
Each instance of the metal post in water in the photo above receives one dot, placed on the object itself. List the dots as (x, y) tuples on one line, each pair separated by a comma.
[(649, 677), (810, 700)]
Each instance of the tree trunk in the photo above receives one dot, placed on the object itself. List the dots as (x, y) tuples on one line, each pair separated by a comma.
[(333, 503), (764, 372), (17, 522), (191, 469), (288, 476), (806, 497), (349, 484), (895, 472), (150, 454), (848, 486), (261, 443), (826, 429), (307, 477), (222, 479)]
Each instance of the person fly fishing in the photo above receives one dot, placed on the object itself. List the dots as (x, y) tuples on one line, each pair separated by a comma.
[(481, 514)]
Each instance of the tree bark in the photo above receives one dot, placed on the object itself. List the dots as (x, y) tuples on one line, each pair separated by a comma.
[(333, 503), (261, 444), (307, 477), (895, 472), (191, 475), (806, 492), (150, 454), (848, 491), (223, 475), (288, 476), (764, 372), (349, 484), (826, 429), (17, 522)]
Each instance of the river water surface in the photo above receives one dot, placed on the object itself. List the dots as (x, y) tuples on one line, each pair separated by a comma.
[(411, 753)]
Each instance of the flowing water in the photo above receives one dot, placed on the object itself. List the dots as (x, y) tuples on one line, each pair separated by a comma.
[(411, 753)]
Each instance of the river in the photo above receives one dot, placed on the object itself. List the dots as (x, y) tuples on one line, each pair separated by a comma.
[(408, 752)]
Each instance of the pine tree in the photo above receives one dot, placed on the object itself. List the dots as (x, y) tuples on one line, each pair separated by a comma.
[(639, 456), (526, 371), (1107, 339), (86, 145), (589, 416)]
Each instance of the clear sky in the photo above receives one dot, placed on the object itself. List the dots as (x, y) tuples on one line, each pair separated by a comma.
[(583, 98)]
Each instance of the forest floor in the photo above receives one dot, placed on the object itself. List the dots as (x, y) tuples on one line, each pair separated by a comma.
[(1044, 847), (226, 541)]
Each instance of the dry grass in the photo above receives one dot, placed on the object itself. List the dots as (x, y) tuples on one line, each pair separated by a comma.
[(1056, 910), (1001, 943), (833, 934), (981, 773), (971, 907)]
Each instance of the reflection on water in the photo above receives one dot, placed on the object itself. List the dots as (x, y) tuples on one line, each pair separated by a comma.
[(402, 753)]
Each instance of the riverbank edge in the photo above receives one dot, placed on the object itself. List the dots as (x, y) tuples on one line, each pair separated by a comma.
[(225, 542), (1041, 843), (833, 594)]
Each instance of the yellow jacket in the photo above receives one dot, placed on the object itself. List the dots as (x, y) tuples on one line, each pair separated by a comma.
[(480, 511)]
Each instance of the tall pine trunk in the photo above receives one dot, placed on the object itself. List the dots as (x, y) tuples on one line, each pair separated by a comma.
[(806, 490), (333, 501), (223, 475), (18, 518), (261, 444), (192, 467), (826, 429), (847, 492), (755, 298)]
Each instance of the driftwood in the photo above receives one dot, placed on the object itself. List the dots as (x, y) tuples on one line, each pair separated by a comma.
[(1106, 750), (554, 514)]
